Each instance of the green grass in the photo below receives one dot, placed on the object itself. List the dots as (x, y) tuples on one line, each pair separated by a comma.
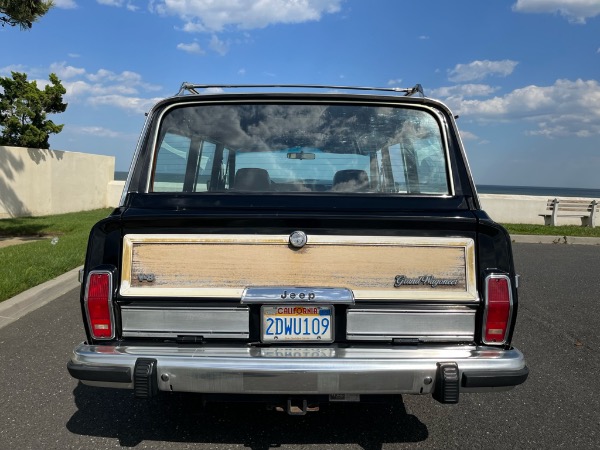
[(27, 265), (567, 230)]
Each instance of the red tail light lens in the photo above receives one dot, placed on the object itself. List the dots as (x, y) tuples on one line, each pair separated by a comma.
[(98, 305), (498, 309)]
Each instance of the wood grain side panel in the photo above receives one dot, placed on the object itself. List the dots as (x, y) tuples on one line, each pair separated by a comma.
[(213, 266)]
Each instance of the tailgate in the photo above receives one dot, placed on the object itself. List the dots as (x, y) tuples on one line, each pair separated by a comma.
[(399, 287)]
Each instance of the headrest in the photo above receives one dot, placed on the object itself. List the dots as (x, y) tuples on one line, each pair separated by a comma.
[(252, 179), (350, 180)]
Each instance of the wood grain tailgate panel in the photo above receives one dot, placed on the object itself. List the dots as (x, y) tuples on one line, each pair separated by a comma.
[(224, 265)]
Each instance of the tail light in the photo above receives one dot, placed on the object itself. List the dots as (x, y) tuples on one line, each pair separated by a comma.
[(498, 309), (98, 305)]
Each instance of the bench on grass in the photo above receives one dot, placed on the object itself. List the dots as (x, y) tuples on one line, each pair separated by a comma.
[(565, 207)]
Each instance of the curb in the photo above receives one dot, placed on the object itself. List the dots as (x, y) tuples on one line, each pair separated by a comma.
[(539, 239), (18, 306)]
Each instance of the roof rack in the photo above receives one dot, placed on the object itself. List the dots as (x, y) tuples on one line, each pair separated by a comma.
[(189, 88)]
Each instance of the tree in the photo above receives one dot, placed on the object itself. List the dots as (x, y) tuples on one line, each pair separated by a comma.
[(24, 108), (23, 12)]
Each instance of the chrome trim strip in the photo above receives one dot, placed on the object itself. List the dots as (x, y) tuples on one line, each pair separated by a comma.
[(209, 322), (248, 370), (135, 159), (266, 295), (427, 324), (463, 153)]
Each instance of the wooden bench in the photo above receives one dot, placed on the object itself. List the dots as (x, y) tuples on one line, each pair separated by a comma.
[(565, 207)]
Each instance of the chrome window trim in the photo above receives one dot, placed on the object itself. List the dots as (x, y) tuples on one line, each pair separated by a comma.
[(435, 112), (135, 160), (463, 153)]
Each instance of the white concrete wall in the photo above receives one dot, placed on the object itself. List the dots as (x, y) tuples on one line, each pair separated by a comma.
[(520, 209), (113, 195), (514, 208), (38, 182)]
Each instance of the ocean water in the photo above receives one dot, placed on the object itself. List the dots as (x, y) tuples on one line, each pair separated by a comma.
[(538, 190), (497, 189)]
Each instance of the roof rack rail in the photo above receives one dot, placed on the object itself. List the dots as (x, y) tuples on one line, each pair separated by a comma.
[(189, 88)]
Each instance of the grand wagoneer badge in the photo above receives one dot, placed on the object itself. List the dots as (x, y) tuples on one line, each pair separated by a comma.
[(425, 280)]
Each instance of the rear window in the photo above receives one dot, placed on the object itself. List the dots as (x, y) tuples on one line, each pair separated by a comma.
[(300, 148)]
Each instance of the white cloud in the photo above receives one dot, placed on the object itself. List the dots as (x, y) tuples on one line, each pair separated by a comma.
[(575, 11), (218, 45), (131, 104), (566, 108), (6, 70), (468, 136), (65, 4), (463, 91), (98, 131), (192, 47), (478, 70), (194, 27), (127, 80), (212, 90), (123, 90), (63, 71), (80, 90), (395, 82), (215, 16), (119, 3)]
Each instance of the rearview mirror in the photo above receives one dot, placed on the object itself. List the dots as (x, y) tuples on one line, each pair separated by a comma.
[(301, 155)]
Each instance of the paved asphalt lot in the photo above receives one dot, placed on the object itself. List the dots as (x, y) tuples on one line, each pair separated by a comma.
[(41, 407)]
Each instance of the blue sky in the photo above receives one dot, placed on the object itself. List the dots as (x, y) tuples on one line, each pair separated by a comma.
[(524, 75)]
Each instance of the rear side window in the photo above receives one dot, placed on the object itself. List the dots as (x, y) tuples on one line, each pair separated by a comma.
[(171, 163), (312, 148)]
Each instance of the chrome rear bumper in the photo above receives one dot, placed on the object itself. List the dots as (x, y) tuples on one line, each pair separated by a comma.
[(299, 371)]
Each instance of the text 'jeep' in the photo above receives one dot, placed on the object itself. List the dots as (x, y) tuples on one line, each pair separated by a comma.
[(322, 244)]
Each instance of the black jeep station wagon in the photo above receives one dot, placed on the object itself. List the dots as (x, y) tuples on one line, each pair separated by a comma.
[(297, 245)]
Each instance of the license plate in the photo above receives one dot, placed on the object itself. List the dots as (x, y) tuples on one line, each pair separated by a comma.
[(297, 323)]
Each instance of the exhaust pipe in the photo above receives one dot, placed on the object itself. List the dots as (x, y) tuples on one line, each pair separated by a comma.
[(297, 407)]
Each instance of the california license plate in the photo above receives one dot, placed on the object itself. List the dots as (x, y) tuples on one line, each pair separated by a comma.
[(297, 323)]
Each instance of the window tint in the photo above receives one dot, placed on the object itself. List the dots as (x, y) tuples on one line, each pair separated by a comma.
[(301, 148), (171, 163)]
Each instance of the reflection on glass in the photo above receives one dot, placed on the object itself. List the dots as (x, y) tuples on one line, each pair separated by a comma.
[(300, 148)]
